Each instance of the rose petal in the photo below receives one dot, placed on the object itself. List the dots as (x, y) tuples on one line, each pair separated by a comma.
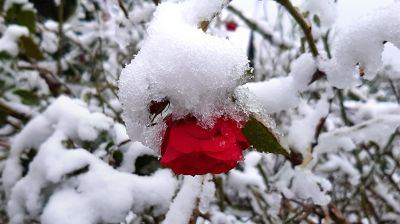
[(188, 148)]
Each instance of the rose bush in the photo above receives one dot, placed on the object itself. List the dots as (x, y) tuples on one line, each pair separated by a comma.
[(190, 149)]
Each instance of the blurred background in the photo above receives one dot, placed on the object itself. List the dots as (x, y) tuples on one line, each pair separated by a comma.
[(77, 48)]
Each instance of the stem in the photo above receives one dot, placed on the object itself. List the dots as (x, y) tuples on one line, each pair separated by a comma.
[(307, 32), (394, 89), (122, 6), (60, 35), (303, 24), (343, 113)]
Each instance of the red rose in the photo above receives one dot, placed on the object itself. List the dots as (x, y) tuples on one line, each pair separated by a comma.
[(187, 148), (231, 26)]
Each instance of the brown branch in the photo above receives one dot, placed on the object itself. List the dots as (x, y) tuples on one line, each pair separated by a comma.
[(302, 23), (122, 6), (12, 112)]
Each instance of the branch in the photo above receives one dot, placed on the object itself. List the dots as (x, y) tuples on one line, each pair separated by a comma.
[(254, 26), (12, 112), (303, 24), (122, 6), (60, 35), (307, 32), (343, 113)]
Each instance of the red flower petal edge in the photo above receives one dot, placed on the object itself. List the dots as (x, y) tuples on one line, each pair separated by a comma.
[(188, 148)]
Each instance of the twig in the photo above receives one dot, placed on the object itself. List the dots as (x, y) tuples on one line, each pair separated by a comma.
[(306, 28), (254, 26), (395, 92), (302, 23), (343, 113), (51, 80), (4, 144), (122, 6), (12, 112), (60, 35)]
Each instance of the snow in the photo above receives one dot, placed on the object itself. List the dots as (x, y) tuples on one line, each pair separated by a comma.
[(9, 3), (302, 130), (390, 61), (207, 194), (347, 137), (195, 71), (326, 10), (98, 194), (384, 192), (250, 176), (372, 108), (50, 39), (198, 73), (9, 40), (339, 163), (133, 151), (355, 55), (280, 93), (185, 201), (301, 183)]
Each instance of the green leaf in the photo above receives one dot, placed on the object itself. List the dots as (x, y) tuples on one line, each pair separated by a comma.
[(101, 138), (118, 157), (1, 6), (24, 17), (146, 165), (262, 138), (316, 20), (27, 97), (3, 118), (5, 55), (29, 48)]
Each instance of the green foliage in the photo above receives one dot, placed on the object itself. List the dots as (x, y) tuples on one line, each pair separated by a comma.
[(29, 48), (118, 157), (317, 21), (146, 165), (19, 15), (1, 6), (102, 137), (4, 55), (262, 138), (3, 118), (27, 97)]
